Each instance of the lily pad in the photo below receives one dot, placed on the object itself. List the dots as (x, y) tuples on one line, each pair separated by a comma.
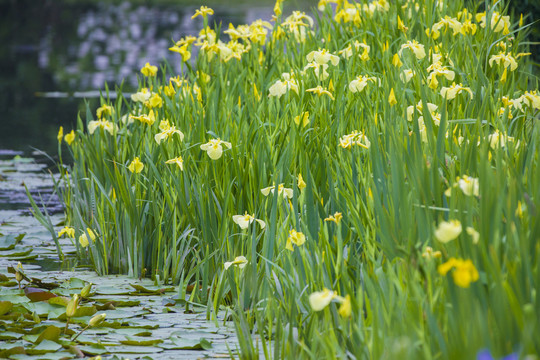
[(10, 335), (59, 300), (8, 242), (5, 307), (154, 290), (126, 349), (16, 251), (188, 344), (96, 349), (44, 347), (35, 294), (51, 333), (140, 341)]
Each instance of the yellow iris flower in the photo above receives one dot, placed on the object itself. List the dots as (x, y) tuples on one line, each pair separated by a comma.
[(451, 92), (136, 166), (464, 272), (448, 230), (102, 124), (295, 237), (287, 193), (415, 47), (178, 161), (335, 218), (214, 149), (361, 81), (245, 220), (239, 261), (319, 90), (69, 138), (66, 230), (149, 70)]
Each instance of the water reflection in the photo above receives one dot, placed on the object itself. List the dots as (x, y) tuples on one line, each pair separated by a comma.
[(78, 46)]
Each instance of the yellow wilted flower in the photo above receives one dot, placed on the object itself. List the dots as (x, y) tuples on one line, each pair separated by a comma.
[(295, 237), (136, 166), (245, 220), (214, 149), (464, 271), (392, 98), (448, 231), (69, 138), (149, 70), (239, 261), (401, 25), (178, 161), (203, 11), (357, 138)]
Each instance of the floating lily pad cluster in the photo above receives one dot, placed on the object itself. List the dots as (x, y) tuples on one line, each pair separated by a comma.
[(139, 319)]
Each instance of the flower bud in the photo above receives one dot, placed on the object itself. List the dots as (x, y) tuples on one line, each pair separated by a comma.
[(97, 319), (86, 290), (71, 307)]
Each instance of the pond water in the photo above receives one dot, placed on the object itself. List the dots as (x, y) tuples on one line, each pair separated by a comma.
[(56, 54)]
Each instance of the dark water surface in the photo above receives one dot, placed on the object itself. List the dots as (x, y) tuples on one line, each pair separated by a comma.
[(51, 49)]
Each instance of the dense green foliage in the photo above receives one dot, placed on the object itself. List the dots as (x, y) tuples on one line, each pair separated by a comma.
[(407, 225)]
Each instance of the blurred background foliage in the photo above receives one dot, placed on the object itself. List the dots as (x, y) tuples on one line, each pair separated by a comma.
[(80, 45)]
